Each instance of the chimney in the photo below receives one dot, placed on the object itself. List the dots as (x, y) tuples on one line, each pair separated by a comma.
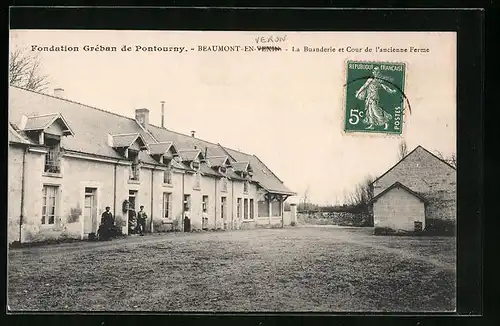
[(59, 92), (193, 132), (162, 114), (142, 117)]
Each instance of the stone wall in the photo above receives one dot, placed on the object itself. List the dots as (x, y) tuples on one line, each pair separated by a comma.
[(334, 218)]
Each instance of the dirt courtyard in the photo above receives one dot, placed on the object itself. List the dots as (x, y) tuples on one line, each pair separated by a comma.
[(298, 269)]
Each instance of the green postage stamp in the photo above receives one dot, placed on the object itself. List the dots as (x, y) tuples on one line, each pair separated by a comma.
[(375, 97)]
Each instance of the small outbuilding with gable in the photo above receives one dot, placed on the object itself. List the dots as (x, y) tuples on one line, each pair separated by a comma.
[(417, 193), (399, 208)]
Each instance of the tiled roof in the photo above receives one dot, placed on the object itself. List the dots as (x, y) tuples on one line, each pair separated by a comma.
[(16, 137), (261, 173), (178, 165), (91, 127), (240, 166), (39, 122), (233, 175), (417, 149), (160, 148), (189, 154), (217, 161), (124, 140), (206, 170)]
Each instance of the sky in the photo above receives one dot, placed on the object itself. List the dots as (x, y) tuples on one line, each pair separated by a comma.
[(285, 107)]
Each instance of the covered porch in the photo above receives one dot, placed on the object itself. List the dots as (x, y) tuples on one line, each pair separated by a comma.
[(271, 209)]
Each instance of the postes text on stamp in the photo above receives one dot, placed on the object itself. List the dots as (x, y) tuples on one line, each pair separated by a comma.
[(374, 97)]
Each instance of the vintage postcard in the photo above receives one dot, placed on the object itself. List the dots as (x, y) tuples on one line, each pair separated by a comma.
[(232, 171)]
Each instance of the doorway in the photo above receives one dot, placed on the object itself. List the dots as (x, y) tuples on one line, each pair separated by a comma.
[(223, 212), (187, 213), (90, 211)]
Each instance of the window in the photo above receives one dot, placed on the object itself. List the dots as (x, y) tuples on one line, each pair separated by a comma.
[(187, 203), (252, 216), (245, 209), (49, 204), (238, 207), (53, 156), (195, 165), (224, 184), (197, 181), (204, 203), (263, 206), (223, 208), (245, 187), (135, 169), (132, 194), (167, 205), (167, 176)]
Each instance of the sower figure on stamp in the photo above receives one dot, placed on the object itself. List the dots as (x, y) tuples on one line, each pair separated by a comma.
[(369, 92), (141, 220)]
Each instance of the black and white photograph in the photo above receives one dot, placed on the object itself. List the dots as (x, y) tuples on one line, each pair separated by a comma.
[(232, 171)]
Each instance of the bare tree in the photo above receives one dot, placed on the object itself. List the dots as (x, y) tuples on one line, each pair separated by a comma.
[(306, 193), (402, 150), (450, 159), (24, 70), (362, 193)]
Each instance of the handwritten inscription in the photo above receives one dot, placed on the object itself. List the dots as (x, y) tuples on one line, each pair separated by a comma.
[(270, 39)]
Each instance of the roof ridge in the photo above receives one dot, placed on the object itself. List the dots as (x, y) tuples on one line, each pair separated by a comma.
[(126, 134), (124, 116), (42, 115), (217, 156), (75, 102), (238, 151), (206, 141), (180, 133), (162, 142), (190, 150), (407, 155)]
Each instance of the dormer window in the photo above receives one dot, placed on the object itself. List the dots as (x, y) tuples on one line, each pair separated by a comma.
[(195, 165), (53, 156), (243, 169), (222, 170), (47, 129), (135, 169), (130, 146)]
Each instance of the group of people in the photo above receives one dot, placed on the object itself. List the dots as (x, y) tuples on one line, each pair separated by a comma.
[(136, 223)]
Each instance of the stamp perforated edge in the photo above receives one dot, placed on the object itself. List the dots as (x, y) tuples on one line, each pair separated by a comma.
[(369, 133)]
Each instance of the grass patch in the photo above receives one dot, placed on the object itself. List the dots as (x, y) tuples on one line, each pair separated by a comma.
[(295, 269)]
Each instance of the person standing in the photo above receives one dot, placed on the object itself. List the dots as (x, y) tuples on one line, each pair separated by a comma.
[(141, 220), (132, 221), (107, 224), (204, 219)]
